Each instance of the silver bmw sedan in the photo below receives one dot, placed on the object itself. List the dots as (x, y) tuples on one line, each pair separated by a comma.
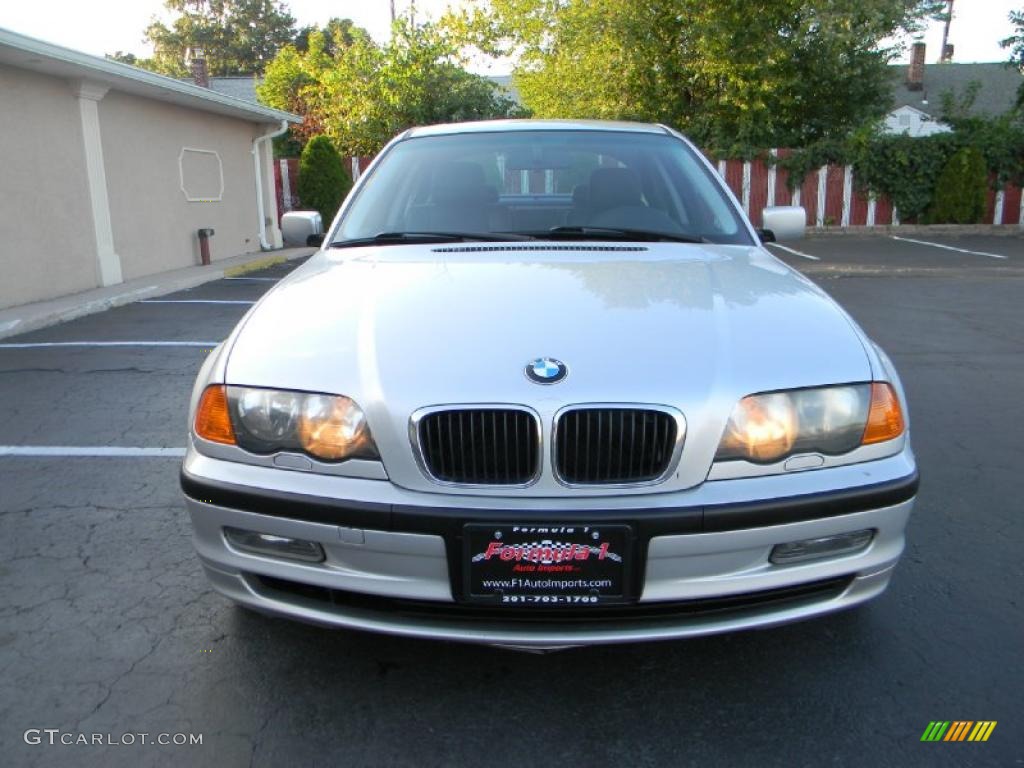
[(542, 386)]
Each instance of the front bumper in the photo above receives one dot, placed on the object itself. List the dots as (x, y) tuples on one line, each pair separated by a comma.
[(392, 564)]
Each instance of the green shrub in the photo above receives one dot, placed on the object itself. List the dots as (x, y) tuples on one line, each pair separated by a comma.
[(323, 180), (961, 191)]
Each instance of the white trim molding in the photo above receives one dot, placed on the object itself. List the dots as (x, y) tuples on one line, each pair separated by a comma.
[(57, 61), (108, 263), (181, 176)]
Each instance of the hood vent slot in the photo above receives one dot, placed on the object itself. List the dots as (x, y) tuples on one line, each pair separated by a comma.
[(526, 247)]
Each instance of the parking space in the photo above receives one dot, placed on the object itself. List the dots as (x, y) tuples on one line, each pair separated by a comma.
[(108, 625), (904, 254)]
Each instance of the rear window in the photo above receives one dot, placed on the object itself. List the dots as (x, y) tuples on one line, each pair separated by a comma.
[(531, 181)]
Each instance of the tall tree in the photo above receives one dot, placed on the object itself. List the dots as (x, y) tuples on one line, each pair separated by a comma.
[(238, 37), (365, 93), (729, 72), (1015, 43), (338, 35)]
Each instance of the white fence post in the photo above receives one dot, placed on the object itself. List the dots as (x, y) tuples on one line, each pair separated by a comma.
[(770, 199), (872, 207), (847, 195), (822, 183), (997, 215), (745, 188), (286, 186)]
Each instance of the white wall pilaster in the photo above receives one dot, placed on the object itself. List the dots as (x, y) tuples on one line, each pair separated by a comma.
[(108, 263), (270, 212)]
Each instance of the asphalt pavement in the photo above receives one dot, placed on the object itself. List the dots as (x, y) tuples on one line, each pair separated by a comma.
[(107, 625)]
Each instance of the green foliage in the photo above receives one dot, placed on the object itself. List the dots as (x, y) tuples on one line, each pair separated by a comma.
[(323, 180), (126, 58), (338, 34), (961, 189), (238, 37), (363, 94), (730, 73), (903, 168), (907, 169), (1015, 43)]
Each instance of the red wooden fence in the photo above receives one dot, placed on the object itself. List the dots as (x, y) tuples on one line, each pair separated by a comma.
[(831, 199)]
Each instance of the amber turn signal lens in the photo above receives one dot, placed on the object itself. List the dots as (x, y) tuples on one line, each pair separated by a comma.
[(213, 422), (885, 419)]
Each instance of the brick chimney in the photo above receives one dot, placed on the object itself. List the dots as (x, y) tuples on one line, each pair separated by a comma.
[(198, 64), (915, 72)]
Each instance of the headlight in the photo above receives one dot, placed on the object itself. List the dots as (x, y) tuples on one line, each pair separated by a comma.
[(769, 427), (327, 427)]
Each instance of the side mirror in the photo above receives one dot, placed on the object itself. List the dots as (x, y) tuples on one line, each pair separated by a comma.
[(783, 222), (297, 227)]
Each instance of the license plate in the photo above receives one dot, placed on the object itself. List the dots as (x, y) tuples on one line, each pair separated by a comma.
[(528, 565)]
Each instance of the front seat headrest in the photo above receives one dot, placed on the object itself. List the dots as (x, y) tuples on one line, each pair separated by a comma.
[(614, 188), (460, 181)]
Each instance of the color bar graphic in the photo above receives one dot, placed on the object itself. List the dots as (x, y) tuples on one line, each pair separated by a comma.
[(958, 730)]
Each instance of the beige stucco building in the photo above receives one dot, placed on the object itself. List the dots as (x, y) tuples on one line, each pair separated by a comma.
[(107, 172)]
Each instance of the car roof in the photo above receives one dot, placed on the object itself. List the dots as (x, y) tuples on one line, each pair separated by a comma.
[(498, 126)]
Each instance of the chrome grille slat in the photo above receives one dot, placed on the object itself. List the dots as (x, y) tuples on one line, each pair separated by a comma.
[(592, 446), (471, 446)]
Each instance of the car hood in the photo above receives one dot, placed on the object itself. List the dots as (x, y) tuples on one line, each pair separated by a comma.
[(696, 327)]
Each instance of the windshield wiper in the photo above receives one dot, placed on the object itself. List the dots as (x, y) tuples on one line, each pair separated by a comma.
[(406, 238), (618, 233)]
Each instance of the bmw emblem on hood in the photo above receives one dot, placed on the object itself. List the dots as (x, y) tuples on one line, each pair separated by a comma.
[(546, 370)]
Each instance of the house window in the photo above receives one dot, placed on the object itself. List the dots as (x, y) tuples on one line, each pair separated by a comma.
[(202, 175), (904, 121)]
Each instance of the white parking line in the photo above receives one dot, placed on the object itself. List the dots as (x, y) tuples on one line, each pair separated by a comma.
[(40, 344), (258, 279), (794, 251), (193, 301), (101, 451), (947, 247)]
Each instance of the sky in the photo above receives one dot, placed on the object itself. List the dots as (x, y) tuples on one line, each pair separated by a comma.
[(105, 26)]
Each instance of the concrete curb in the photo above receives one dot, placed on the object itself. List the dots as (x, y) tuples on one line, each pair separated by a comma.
[(253, 266), (1004, 230), (42, 314)]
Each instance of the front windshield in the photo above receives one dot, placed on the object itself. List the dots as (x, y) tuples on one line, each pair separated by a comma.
[(530, 182)]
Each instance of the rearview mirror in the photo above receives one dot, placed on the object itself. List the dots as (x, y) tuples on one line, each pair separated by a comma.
[(784, 222), (301, 228), (536, 159)]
